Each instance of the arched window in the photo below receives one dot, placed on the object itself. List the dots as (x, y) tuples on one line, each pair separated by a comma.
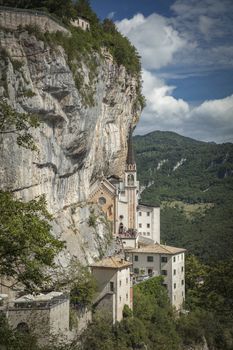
[(130, 180), (121, 228), (22, 327)]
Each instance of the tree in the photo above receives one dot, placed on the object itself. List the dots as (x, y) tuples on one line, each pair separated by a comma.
[(13, 122), (27, 247), (84, 9)]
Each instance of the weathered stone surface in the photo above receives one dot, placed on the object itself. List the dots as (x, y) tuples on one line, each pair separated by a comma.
[(77, 144)]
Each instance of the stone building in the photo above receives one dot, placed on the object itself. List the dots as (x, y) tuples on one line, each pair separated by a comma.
[(81, 22), (162, 260), (114, 286), (46, 315)]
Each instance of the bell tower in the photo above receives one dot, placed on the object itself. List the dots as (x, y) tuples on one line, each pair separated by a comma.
[(131, 184)]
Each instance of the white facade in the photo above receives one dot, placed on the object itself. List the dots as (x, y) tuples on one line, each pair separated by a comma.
[(114, 286), (148, 222), (159, 260)]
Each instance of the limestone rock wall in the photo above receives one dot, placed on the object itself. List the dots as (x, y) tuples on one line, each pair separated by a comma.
[(77, 144)]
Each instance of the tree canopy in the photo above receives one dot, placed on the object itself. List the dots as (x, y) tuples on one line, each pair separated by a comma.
[(27, 246)]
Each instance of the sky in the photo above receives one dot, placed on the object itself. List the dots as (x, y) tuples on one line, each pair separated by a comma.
[(186, 48)]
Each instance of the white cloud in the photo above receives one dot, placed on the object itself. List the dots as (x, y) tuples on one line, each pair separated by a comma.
[(161, 103), (196, 40), (210, 121), (213, 120), (155, 39), (206, 25), (111, 15)]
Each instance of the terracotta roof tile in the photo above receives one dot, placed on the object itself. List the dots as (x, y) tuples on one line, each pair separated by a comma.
[(159, 249), (112, 262)]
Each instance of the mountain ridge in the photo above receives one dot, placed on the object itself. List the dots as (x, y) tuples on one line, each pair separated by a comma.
[(192, 181)]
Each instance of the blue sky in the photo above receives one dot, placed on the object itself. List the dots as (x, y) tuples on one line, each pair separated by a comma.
[(187, 59)]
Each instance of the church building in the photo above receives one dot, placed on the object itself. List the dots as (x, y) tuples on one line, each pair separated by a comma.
[(119, 199)]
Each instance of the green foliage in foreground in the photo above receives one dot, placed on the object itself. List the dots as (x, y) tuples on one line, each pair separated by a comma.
[(27, 247), (153, 324)]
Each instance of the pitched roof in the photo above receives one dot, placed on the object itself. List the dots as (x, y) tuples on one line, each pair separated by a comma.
[(158, 249), (112, 263)]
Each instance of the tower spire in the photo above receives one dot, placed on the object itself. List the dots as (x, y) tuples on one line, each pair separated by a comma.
[(130, 160)]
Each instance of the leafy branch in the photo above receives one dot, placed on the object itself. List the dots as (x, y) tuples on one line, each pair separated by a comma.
[(13, 122)]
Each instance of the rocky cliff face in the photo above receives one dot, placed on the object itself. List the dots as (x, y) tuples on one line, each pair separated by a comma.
[(76, 143)]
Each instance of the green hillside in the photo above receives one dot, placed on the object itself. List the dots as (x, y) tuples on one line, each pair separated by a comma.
[(193, 183)]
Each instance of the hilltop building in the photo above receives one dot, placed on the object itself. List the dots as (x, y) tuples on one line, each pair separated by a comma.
[(114, 286), (162, 260)]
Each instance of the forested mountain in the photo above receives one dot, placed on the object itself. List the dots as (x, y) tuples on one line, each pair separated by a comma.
[(192, 181)]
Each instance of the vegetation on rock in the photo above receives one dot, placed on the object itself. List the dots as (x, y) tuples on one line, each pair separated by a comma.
[(81, 45)]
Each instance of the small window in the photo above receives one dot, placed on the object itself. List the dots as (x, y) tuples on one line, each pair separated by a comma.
[(127, 280), (182, 294), (148, 233), (163, 259), (140, 213), (127, 296), (164, 285), (182, 256), (120, 282), (148, 225), (174, 285), (174, 259), (121, 217), (148, 213), (164, 272), (135, 257), (150, 258), (140, 225), (111, 286), (136, 270), (120, 299), (174, 297), (182, 268), (182, 282), (102, 200), (174, 272)]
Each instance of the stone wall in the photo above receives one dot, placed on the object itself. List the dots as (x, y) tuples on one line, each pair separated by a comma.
[(44, 322), (13, 18)]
